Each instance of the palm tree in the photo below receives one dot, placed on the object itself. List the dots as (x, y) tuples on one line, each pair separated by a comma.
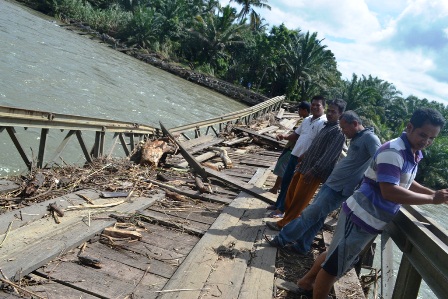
[(213, 34), (306, 62), (247, 7)]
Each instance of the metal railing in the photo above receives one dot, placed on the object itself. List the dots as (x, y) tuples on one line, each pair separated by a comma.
[(217, 124), (124, 133), (424, 244)]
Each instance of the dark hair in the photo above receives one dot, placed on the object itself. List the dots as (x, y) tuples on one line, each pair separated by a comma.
[(341, 104), (350, 116), (319, 98), (304, 105), (422, 116)]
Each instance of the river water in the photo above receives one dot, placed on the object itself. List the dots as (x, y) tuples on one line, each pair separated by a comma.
[(46, 67)]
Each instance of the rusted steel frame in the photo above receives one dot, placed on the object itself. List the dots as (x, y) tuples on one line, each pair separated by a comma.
[(197, 132), (98, 147), (185, 136), (424, 243), (10, 116), (123, 144), (61, 147), (42, 143), (132, 141), (83, 146), (230, 116), (12, 134)]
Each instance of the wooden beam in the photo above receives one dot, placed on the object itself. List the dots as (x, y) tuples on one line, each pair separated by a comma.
[(187, 156), (257, 192), (192, 194), (263, 137)]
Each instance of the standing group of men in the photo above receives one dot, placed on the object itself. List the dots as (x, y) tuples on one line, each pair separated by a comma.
[(384, 173)]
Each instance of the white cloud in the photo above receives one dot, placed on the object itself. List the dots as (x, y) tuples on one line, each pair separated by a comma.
[(402, 42)]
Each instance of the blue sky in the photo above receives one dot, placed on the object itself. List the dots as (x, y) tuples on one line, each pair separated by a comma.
[(402, 42)]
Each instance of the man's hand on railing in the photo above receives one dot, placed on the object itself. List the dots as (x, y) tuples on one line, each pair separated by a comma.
[(440, 197)]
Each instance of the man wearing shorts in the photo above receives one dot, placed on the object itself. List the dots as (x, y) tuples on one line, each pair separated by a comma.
[(388, 183)]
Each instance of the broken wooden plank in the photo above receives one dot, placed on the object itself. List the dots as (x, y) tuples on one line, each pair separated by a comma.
[(204, 146), (189, 226), (236, 141), (187, 156), (268, 139), (267, 129), (201, 158), (19, 254), (188, 144), (192, 194), (259, 193)]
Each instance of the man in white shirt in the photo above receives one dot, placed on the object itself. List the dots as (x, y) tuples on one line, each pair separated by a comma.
[(303, 135)]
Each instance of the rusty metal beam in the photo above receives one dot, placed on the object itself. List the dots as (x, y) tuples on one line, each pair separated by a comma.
[(12, 134)]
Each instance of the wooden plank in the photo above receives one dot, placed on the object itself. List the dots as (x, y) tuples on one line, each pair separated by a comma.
[(28, 214), (129, 258), (199, 213), (197, 267), (188, 144), (51, 289), (348, 286), (259, 193), (201, 158), (7, 186), (267, 129), (236, 141), (112, 280), (263, 137), (206, 145), (192, 194), (187, 156), (178, 222), (19, 254)]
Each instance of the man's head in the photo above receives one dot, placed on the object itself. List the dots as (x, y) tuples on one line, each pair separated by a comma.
[(317, 106), (335, 109), (304, 109), (350, 124), (424, 127)]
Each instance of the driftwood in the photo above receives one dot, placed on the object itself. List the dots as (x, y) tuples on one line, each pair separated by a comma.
[(153, 151), (89, 261), (224, 156), (175, 196), (53, 207), (35, 184), (121, 233), (81, 207), (201, 187)]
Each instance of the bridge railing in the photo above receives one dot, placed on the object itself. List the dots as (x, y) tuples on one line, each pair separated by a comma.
[(217, 124), (424, 244), (125, 134)]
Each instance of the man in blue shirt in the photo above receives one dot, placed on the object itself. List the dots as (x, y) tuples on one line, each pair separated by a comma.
[(388, 183), (346, 175)]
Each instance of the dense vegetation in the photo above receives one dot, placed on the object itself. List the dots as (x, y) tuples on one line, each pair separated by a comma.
[(237, 46)]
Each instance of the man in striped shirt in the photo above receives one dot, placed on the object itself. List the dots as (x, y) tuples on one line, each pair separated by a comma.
[(315, 165), (388, 183)]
